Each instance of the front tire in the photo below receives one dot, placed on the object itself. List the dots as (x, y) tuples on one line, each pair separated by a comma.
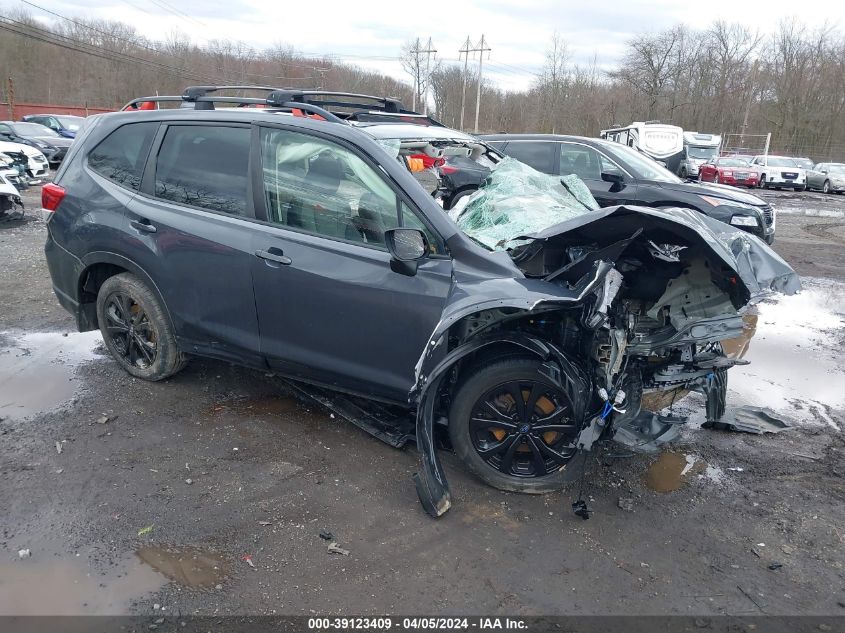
[(136, 329), (514, 428)]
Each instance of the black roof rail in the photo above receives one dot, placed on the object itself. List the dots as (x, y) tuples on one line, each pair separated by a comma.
[(320, 102)]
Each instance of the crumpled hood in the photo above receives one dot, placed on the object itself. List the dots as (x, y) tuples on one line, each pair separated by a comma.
[(715, 190), (757, 265)]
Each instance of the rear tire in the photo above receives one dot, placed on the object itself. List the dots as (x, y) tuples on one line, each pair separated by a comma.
[(506, 457), (136, 329), (763, 184), (826, 187)]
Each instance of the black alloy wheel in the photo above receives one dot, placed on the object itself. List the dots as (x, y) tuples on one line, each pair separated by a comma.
[(136, 328), (523, 428), (130, 331)]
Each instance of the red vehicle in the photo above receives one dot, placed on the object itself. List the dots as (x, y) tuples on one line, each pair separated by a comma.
[(729, 170)]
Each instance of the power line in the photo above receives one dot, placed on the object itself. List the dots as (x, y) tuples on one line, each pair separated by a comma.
[(141, 44), (171, 9)]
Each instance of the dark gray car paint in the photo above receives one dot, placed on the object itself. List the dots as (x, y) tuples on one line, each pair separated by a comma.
[(333, 301)]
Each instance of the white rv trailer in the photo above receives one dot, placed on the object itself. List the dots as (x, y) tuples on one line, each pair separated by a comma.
[(664, 143)]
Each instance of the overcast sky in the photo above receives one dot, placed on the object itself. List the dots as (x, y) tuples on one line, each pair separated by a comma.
[(371, 33)]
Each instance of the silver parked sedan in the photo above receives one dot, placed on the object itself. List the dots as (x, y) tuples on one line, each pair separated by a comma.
[(827, 177)]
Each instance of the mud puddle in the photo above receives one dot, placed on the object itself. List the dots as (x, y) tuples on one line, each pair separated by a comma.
[(187, 566), (37, 370), (70, 586), (670, 471), (795, 363)]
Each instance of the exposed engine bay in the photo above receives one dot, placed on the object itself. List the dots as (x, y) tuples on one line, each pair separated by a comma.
[(627, 306)]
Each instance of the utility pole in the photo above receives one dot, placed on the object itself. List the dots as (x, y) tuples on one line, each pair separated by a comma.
[(429, 50), (416, 53), (464, 51), (481, 48)]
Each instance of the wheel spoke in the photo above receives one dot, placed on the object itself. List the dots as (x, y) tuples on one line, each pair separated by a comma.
[(516, 393), (505, 445), (537, 458), (130, 349), (548, 451), (499, 416), (477, 423), (142, 347), (537, 390), (507, 460), (118, 328)]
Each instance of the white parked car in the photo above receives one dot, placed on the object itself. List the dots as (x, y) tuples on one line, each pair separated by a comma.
[(779, 172), (38, 166)]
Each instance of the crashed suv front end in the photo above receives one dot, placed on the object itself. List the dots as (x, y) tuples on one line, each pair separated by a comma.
[(621, 305)]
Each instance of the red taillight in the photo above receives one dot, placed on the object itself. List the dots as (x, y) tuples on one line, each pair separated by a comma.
[(448, 169), (51, 196)]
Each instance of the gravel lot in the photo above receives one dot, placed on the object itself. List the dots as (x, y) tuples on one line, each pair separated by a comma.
[(207, 493)]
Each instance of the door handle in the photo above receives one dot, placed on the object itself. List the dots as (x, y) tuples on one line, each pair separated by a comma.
[(143, 225), (274, 255)]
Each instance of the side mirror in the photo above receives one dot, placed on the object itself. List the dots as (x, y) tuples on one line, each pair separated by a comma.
[(407, 247), (615, 178)]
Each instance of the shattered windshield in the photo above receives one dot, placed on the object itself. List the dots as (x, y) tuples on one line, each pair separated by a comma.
[(517, 200)]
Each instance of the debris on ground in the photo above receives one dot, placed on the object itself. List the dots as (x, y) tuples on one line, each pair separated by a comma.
[(247, 558), (775, 566), (189, 481), (626, 503), (334, 548), (145, 530), (59, 448), (326, 535), (265, 523), (103, 420), (24, 553)]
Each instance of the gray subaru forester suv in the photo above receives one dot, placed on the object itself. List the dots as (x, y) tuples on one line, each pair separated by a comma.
[(287, 238)]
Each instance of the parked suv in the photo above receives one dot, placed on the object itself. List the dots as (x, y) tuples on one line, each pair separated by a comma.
[(617, 174), (779, 172), (307, 247)]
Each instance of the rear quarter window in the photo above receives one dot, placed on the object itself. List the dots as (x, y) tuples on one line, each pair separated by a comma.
[(120, 156)]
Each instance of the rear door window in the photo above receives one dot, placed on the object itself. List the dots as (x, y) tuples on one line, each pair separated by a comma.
[(205, 166), (121, 155), (539, 155)]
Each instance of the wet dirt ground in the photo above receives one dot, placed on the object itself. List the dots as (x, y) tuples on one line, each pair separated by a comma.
[(207, 493)]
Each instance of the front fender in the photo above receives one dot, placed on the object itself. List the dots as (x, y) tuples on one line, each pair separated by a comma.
[(430, 481)]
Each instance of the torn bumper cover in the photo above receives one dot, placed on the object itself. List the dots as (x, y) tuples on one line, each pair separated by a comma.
[(623, 272)]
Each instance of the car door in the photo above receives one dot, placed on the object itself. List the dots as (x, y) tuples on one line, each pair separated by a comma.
[(331, 310), (589, 164), (192, 228)]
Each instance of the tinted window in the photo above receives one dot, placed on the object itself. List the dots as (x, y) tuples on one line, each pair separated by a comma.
[(204, 166), (122, 154), (319, 187), (583, 161), (538, 155)]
